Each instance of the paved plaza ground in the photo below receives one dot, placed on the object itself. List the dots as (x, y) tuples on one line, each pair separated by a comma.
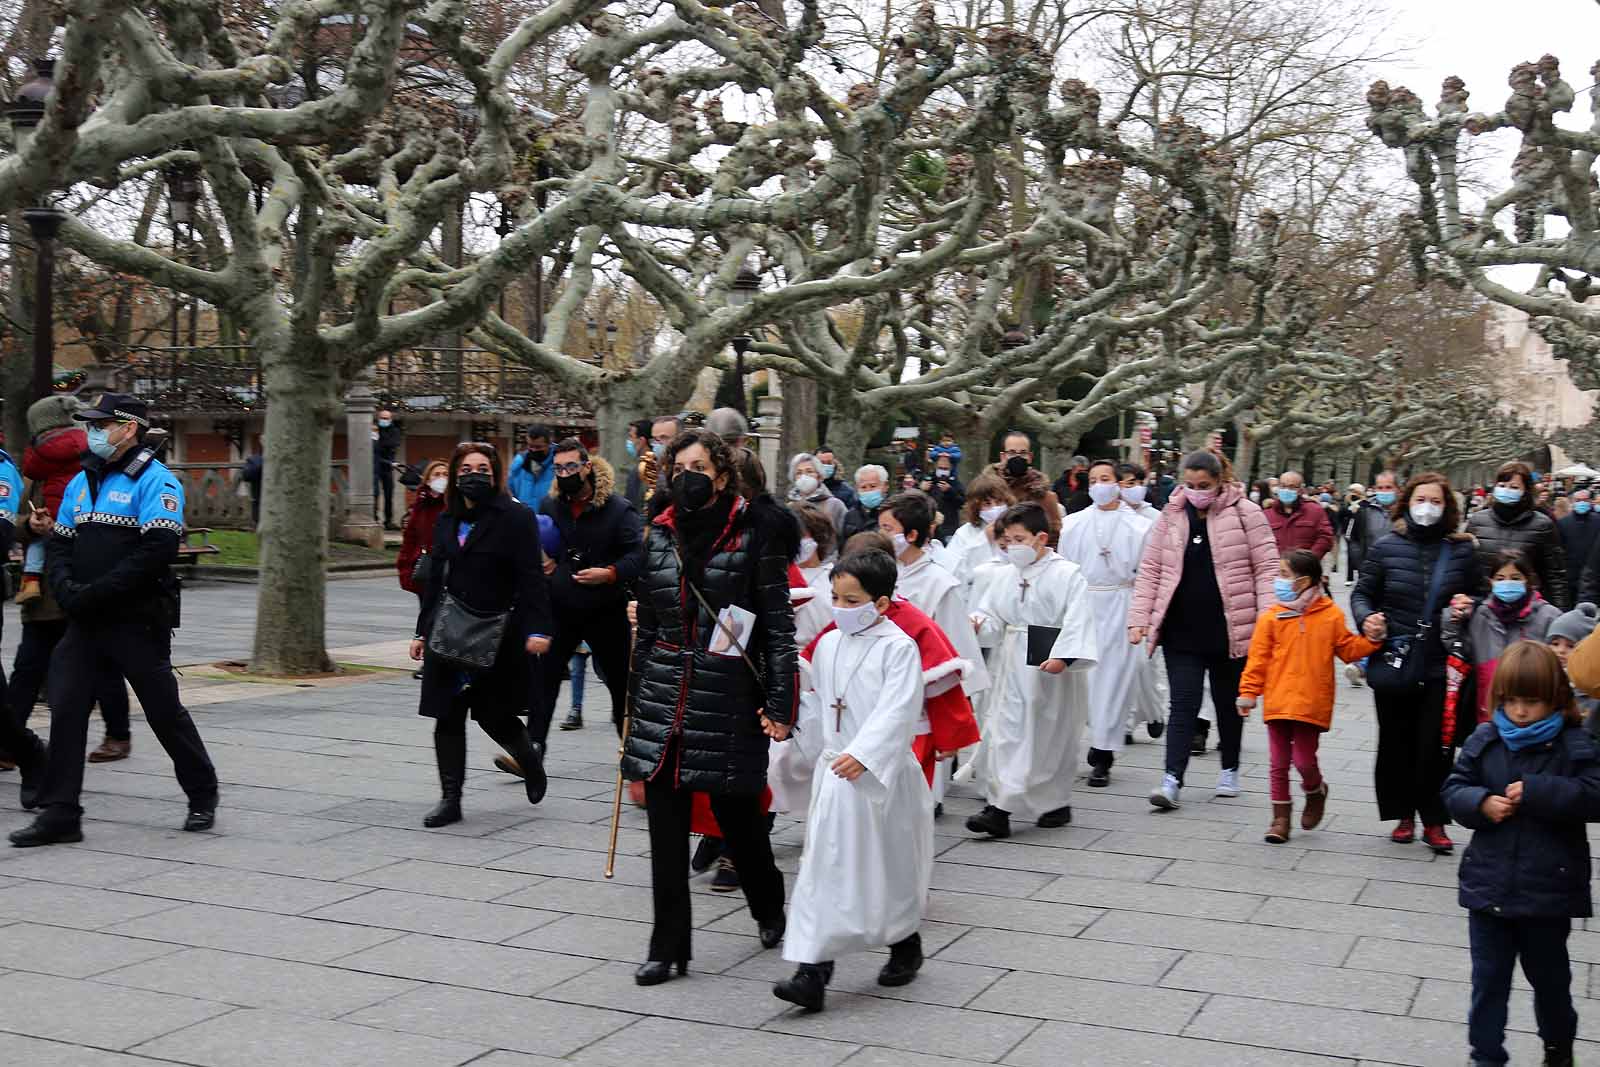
[(321, 925)]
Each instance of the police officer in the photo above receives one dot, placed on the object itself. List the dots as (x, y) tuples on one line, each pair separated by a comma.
[(108, 564), (18, 742)]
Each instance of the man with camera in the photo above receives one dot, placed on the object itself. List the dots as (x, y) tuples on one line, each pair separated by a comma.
[(948, 495), (108, 564)]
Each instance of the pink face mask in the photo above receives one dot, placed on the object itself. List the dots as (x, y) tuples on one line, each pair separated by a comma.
[(1200, 498)]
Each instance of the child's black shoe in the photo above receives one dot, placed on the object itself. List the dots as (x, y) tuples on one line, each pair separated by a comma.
[(905, 960), (807, 987), (992, 821)]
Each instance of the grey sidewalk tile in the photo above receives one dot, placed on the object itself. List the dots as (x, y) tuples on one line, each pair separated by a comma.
[(610, 900), (876, 1056), (589, 838), (1142, 822), (473, 964), (259, 1038), (404, 816), (421, 845), (554, 862), (1297, 983), (899, 1024), (602, 938), (1000, 856), (259, 982), (682, 1041), (1054, 996), (1440, 872), (1331, 1032), (962, 878), (705, 998), (35, 1052), (1365, 921), (1413, 958), (501, 1058), (1155, 899), (1271, 857), (284, 829), (80, 866), (78, 907), (73, 953), (329, 860), (76, 1011), (244, 889), (256, 933), (520, 1024), (1070, 956), (1434, 899), (445, 880), (940, 981), (1201, 935), (418, 913), (1055, 1044), (1033, 916), (1300, 885)]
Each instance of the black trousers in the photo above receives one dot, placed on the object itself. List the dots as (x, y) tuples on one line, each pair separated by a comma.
[(609, 637), (32, 666), (1186, 676), (142, 653), (383, 484), (16, 740), (744, 835), (1411, 764), (1497, 944)]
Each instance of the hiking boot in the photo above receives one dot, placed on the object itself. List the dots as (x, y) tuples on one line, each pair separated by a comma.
[(807, 987), (905, 960), (992, 821), (1278, 832), (1316, 806)]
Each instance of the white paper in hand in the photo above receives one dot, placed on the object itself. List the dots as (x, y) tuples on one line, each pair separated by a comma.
[(734, 624)]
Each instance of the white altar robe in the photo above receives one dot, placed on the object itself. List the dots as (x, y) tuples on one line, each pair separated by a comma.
[(1034, 723), (1107, 547), (868, 857)]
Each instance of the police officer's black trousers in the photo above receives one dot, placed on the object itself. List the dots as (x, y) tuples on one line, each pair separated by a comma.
[(142, 653)]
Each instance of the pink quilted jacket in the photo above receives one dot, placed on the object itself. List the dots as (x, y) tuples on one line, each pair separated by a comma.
[(1242, 550)]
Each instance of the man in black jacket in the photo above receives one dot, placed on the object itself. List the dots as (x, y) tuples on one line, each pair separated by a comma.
[(1580, 533), (602, 551), (829, 469), (1371, 519), (385, 452)]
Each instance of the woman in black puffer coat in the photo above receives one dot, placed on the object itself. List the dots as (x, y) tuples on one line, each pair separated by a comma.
[(1396, 577), (701, 721), (1512, 522)]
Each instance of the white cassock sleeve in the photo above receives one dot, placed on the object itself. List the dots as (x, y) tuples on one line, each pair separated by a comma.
[(805, 740), (950, 615), (1076, 643), (884, 739)]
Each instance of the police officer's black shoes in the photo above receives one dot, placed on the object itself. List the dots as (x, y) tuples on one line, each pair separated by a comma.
[(44, 832), (905, 960), (807, 987), (199, 821)]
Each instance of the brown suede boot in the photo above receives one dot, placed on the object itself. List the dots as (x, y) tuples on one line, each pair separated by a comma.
[(1316, 805), (1278, 832)]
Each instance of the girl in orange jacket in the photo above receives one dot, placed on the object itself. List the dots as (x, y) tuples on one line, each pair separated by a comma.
[(1291, 667)]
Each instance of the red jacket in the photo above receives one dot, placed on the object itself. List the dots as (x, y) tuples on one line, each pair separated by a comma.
[(1307, 526), (54, 459), (416, 535)]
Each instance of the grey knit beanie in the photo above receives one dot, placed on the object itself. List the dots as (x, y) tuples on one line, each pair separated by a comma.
[(1576, 624), (51, 412)]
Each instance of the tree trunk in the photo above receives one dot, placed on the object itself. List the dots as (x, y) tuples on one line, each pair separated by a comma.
[(1244, 460), (849, 431), (619, 404), (302, 403), (799, 416)]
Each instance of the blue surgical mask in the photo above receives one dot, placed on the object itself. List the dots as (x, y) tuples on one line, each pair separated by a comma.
[(1283, 589), (1385, 497), (1509, 590), (1504, 494), (385, 423), (871, 498), (633, 449), (826, 469), (659, 448), (1288, 496), (1582, 507), (99, 442)]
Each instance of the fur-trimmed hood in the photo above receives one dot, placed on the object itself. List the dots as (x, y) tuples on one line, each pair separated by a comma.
[(605, 482), (52, 412)]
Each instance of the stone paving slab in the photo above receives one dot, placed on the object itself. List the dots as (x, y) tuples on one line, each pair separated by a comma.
[(321, 924)]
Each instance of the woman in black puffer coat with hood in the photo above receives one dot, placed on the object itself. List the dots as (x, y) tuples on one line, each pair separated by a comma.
[(701, 721), (1512, 522)]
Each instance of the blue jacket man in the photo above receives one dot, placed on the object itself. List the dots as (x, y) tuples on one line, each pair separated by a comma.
[(532, 473)]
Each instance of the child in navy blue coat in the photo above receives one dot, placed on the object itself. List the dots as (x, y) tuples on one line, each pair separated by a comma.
[(1525, 784)]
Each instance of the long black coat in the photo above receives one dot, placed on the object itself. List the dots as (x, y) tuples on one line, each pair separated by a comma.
[(1396, 577), (1531, 532), (1536, 863), (499, 568), (711, 703)]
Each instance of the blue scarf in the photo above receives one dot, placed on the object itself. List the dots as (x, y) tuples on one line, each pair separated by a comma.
[(1518, 738)]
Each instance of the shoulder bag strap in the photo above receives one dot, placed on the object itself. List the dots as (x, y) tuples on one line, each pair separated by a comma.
[(733, 638), (1435, 587)]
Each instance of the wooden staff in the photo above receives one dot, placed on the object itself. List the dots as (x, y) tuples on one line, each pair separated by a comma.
[(622, 747)]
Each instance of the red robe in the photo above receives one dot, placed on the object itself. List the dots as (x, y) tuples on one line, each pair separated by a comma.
[(951, 723)]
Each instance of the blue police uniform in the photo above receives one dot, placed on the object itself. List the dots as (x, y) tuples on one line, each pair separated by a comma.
[(108, 565), (16, 740)]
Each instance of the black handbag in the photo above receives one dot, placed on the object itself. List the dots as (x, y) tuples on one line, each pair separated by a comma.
[(462, 635), (1401, 665)]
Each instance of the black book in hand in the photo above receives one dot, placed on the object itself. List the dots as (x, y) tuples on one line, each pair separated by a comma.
[(1040, 640)]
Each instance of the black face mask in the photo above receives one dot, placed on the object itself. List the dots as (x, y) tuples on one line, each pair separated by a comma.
[(475, 486), (1016, 466), (570, 484), (692, 490), (538, 455)]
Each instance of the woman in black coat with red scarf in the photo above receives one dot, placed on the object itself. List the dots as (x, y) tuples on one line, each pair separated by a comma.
[(486, 555), (701, 721)]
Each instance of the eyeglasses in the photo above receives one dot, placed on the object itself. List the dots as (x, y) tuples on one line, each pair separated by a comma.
[(568, 468), (99, 424)]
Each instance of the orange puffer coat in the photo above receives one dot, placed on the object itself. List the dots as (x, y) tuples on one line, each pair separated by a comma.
[(1291, 661)]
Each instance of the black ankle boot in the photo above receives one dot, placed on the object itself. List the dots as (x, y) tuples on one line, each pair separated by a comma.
[(529, 756), (1558, 1055), (992, 821), (807, 987), (905, 960), (654, 972), (450, 752)]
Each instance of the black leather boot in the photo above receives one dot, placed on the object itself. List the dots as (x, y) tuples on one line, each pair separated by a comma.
[(450, 751), (31, 764), (905, 960), (807, 987), (528, 754)]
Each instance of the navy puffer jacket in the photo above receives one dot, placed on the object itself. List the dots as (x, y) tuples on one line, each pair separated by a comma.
[(1536, 863), (1397, 575)]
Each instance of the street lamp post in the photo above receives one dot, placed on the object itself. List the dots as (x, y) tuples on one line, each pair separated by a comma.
[(44, 222), (745, 287)]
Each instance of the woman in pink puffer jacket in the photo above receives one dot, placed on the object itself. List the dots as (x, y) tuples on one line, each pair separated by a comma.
[(1205, 578)]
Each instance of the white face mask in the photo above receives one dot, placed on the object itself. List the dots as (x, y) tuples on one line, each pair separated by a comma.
[(438, 485), (1424, 513), (808, 548), (806, 484), (900, 544), (854, 620), (989, 515), (1103, 493), (1022, 556), (1134, 494)]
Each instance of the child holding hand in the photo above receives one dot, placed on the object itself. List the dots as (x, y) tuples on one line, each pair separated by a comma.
[(1526, 782), (1291, 670)]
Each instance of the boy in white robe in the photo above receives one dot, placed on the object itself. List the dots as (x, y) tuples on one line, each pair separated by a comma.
[(1035, 718), (1106, 541), (868, 857)]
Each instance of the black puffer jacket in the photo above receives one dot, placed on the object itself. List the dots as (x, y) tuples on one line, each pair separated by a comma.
[(1397, 576), (1529, 531), (712, 703), (1536, 863), (1369, 523)]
